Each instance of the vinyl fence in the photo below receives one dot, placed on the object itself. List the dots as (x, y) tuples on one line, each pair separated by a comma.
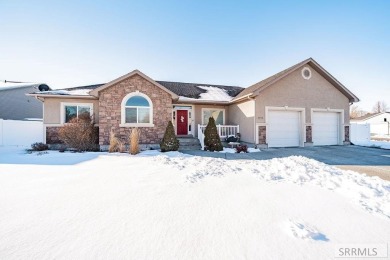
[(15, 132), (360, 133)]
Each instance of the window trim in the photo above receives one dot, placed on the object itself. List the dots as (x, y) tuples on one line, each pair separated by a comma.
[(64, 104), (217, 109), (123, 111)]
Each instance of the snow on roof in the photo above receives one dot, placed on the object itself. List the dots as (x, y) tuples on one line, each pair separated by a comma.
[(72, 92), (211, 94)]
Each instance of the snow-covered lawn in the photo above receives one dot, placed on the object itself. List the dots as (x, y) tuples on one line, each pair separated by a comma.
[(175, 206)]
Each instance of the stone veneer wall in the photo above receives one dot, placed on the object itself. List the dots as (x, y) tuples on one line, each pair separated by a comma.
[(262, 135), (346, 133), (110, 101), (309, 138)]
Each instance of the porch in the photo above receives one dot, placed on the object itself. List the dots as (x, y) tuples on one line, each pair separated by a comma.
[(223, 130)]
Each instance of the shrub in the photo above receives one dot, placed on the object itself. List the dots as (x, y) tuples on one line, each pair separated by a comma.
[(242, 148), (134, 141), (39, 146), (169, 141), (80, 134), (212, 141), (116, 145)]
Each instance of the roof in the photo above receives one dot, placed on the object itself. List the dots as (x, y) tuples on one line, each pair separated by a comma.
[(185, 91), (75, 91), (203, 93), (258, 87), (196, 91), (368, 116), (9, 86), (95, 92)]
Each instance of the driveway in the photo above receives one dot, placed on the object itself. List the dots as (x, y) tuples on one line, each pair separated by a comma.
[(371, 161)]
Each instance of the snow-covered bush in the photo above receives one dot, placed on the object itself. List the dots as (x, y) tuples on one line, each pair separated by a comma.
[(80, 134), (169, 141), (242, 148), (212, 141)]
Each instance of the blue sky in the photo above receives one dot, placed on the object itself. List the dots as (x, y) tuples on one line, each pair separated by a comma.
[(73, 43)]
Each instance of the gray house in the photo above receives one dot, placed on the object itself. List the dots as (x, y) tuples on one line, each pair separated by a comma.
[(15, 105)]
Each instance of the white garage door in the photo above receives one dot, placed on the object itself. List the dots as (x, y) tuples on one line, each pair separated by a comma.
[(283, 128), (326, 128)]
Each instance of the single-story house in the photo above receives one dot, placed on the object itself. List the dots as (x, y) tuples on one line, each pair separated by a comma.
[(379, 122), (303, 105), (15, 105)]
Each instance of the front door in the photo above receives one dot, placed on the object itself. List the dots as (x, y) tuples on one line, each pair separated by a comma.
[(182, 122)]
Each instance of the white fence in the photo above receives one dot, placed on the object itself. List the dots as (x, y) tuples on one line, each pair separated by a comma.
[(360, 133), (15, 132), (223, 131)]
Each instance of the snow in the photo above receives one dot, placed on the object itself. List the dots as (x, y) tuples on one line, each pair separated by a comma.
[(76, 92), (176, 206), (212, 94), (372, 143), (233, 150)]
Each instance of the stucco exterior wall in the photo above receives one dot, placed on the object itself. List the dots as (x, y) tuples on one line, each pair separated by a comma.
[(243, 114), (110, 100), (295, 91), (199, 115), (52, 108)]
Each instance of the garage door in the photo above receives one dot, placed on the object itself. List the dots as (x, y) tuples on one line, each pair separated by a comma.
[(283, 128), (326, 128)]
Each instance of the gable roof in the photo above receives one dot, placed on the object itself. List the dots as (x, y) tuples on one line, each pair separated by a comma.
[(95, 92), (255, 89), (369, 116)]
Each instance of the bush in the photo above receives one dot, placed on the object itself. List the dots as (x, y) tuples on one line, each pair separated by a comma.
[(212, 141), (80, 134), (242, 148), (134, 141), (169, 141), (39, 147), (116, 145)]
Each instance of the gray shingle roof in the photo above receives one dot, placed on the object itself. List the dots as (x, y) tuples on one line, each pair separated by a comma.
[(191, 90)]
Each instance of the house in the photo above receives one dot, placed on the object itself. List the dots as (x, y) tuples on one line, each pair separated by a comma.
[(15, 105), (301, 106), (379, 122)]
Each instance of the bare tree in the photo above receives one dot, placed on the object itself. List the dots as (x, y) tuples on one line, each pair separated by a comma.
[(356, 112), (379, 107)]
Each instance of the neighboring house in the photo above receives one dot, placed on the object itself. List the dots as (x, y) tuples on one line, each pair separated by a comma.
[(15, 105), (379, 122), (301, 106)]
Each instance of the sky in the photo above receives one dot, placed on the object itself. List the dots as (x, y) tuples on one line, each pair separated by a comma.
[(75, 43)]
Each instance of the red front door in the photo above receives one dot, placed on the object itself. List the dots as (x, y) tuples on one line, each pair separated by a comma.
[(182, 122)]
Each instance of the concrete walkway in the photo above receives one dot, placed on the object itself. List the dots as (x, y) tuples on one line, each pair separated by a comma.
[(371, 161)]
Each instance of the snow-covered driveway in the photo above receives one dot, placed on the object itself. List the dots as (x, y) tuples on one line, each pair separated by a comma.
[(153, 206)]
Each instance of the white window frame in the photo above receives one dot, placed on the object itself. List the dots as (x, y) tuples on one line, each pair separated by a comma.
[(123, 111), (64, 104), (216, 109)]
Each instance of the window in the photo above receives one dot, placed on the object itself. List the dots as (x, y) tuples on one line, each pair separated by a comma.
[(137, 110), (217, 114), (71, 111)]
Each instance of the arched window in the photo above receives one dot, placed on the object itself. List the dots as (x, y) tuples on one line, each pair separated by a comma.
[(137, 110)]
